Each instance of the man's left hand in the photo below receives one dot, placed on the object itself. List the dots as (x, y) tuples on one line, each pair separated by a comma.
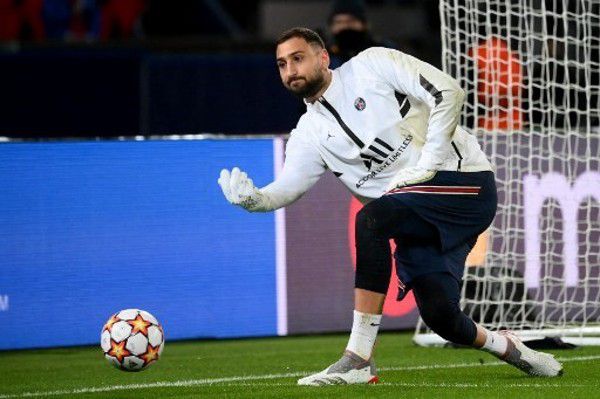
[(410, 176)]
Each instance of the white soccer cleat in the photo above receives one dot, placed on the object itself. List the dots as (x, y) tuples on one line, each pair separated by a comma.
[(532, 362), (350, 369)]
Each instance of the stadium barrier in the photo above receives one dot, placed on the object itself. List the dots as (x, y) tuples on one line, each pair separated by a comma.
[(92, 227)]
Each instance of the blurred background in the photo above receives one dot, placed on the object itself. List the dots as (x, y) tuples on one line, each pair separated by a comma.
[(108, 193), (116, 117), (100, 68)]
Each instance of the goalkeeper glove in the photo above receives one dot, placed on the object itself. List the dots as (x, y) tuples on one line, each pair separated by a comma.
[(239, 190), (410, 176)]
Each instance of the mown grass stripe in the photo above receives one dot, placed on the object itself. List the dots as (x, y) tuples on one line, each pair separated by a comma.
[(246, 378)]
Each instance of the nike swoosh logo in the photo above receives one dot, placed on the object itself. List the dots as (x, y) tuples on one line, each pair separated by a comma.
[(374, 325)]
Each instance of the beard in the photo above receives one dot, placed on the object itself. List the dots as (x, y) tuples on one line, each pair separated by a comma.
[(310, 87)]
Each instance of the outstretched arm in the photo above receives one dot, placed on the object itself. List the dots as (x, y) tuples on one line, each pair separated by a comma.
[(302, 169), (240, 190)]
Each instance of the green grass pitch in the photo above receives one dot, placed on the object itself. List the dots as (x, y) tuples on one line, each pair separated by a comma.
[(269, 368)]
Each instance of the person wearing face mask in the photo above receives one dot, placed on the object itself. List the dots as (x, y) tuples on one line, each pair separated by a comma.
[(349, 31)]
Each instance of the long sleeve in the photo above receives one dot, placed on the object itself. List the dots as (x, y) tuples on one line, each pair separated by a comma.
[(421, 80), (302, 168)]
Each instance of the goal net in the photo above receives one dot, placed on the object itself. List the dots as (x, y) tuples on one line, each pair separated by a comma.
[(531, 70)]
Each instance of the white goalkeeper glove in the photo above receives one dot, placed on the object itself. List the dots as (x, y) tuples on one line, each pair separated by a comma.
[(410, 176), (239, 189)]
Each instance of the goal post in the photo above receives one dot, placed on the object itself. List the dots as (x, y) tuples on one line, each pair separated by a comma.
[(531, 71)]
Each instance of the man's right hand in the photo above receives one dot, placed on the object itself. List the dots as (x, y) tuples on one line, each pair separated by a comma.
[(239, 190)]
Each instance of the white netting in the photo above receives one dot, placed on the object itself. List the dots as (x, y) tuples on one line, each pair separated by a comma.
[(531, 70)]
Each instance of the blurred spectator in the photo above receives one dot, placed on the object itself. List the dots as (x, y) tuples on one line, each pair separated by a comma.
[(120, 19), (349, 31), (32, 25), (21, 20), (9, 20), (72, 20), (84, 23), (56, 14), (499, 79)]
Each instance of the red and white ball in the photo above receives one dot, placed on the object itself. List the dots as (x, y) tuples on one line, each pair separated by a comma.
[(132, 340)]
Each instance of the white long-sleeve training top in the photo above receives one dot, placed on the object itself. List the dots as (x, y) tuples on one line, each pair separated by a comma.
[(383, 111)]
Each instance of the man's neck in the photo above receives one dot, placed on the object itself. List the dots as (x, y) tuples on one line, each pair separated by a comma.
[(323, 89)]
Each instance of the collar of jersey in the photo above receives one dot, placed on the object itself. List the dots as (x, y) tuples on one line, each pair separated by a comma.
[(332, 92)]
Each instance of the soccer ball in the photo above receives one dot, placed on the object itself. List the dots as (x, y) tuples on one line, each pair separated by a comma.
[(132, 340)]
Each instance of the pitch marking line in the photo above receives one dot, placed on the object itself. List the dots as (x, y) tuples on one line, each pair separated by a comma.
[(243, 380), (419, 385)]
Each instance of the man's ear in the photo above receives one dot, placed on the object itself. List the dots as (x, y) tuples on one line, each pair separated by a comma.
[(325, 58)]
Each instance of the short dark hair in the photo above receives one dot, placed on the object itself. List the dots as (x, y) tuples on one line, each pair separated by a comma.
[(310, 36)]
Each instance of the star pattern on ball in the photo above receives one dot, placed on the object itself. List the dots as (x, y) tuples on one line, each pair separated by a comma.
[(139, 325), (151, 354), (113, 319), (118, 350)]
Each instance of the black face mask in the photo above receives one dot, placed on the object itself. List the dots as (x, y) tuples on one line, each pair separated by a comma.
[(351, 42)]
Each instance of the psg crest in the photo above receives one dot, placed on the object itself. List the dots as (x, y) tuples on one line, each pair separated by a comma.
[(360, 104)]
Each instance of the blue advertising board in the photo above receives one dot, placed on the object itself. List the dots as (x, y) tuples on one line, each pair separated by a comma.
[(90, 228)]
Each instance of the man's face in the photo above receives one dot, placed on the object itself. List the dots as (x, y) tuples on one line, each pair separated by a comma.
[(302, 66), (342, 22)]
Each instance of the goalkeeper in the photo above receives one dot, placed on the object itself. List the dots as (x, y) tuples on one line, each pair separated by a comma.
[(385, 124)]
